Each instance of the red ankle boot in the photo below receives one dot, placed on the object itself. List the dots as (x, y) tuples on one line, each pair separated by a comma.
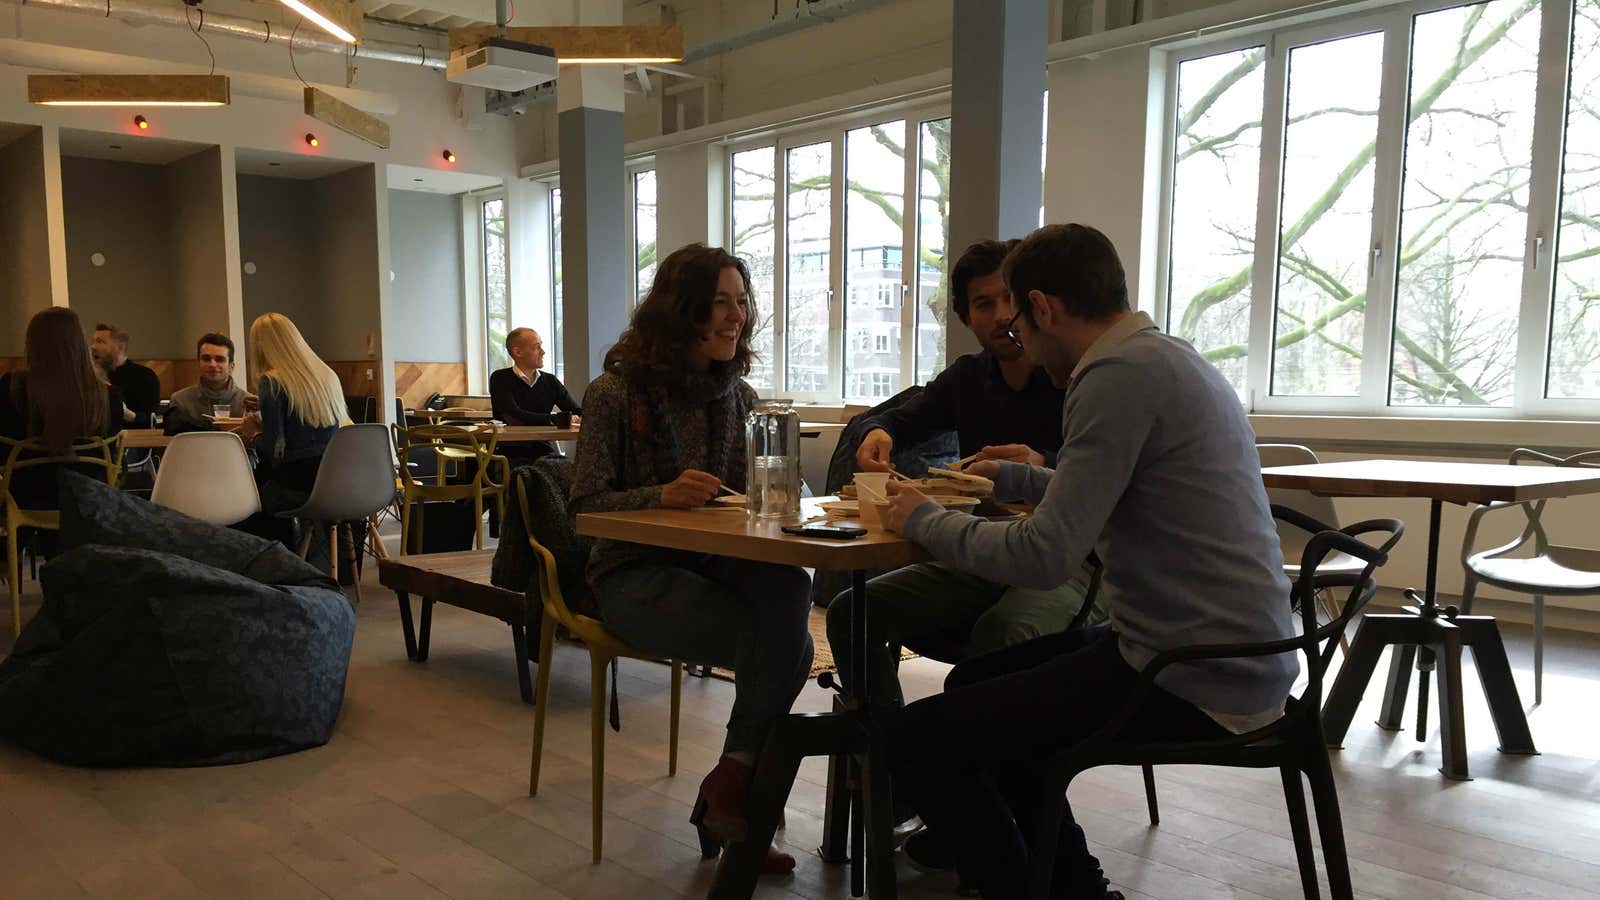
[(719, 815)]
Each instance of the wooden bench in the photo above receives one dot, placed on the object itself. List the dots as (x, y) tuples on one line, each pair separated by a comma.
[(459, 579)]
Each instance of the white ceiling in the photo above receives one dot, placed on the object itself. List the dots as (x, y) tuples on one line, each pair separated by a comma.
[(457, 13), (135, 148), (300, 166), (437, 181)]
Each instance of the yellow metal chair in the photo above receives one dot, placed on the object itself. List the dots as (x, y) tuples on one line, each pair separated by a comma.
[(466, 443), (603, 649), (102, 453)]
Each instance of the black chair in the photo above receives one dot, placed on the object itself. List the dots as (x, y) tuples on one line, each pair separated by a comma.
[(1293, 744)]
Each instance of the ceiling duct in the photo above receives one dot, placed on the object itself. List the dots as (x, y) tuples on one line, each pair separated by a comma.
[(259, 31)]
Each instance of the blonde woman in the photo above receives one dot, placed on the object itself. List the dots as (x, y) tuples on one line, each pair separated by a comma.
[(302, 405)]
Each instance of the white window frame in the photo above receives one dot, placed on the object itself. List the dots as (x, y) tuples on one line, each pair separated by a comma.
[(630, 224), (913, 117), (1536, 301), (475, 276)]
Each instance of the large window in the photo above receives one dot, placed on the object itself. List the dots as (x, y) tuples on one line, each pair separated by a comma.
[(555, 281), (808, 205), (643, 197), (874, 231), (1359, 217), (754, 178), (826, 223), (1575, 326), (495, 284)]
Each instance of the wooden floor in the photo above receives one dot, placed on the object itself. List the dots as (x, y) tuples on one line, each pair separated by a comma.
[(423, 793)]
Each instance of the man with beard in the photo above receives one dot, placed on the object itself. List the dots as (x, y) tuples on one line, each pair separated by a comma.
[(1001, 406)]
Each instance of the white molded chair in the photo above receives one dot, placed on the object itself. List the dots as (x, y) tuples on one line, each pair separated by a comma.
[(1320, 508), (206, 474), (1552, 570)]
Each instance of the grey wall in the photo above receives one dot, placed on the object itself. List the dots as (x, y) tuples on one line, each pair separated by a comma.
[(348, 293), (24, 238), (120, 210), (426, 307), (199, 263), (315, 249), (160, 229), (276, 234)]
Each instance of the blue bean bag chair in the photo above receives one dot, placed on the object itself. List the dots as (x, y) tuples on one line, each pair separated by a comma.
[(167, 641)]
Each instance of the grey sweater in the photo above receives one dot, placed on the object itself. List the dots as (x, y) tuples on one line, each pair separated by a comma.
[(1158, 471), (608, 478)]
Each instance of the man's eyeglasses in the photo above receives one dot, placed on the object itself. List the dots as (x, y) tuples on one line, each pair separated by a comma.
[(1010, 326)]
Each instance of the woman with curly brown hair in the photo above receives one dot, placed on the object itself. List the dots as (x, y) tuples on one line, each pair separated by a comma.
[(664, 427)]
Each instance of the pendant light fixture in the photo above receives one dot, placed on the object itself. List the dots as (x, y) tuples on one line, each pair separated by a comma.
[(340, 18), (128, 90), (586, 44)]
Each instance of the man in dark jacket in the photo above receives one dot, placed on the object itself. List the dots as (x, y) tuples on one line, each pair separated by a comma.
[(997, 401), (140, 386), (521, 394)]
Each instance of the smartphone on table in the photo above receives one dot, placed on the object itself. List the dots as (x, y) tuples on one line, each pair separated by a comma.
[(828, 532)]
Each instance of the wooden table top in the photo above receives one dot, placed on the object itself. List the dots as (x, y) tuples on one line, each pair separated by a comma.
[(460, 579), (521, 434), (1453, 482), (144, 439), (466, 415), (728, 531)]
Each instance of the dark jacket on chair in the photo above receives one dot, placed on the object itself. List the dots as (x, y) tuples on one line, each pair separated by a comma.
[(515, 565)]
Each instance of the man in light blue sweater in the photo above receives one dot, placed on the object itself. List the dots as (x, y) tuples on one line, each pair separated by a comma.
[(1158, 472)]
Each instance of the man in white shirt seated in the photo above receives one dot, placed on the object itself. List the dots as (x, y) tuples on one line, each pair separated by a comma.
[(523, 395)]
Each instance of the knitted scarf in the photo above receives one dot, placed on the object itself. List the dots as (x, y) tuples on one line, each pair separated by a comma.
[(653, 431), (211, 397)]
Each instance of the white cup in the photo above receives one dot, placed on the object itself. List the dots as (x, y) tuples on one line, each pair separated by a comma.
[(872, 488)]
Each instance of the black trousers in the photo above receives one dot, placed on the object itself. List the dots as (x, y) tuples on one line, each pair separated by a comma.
[(971, 760)]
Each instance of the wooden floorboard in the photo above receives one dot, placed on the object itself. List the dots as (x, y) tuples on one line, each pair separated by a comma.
[(422, 793)]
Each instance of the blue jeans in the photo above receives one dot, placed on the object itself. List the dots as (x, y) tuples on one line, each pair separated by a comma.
[(730, 613)]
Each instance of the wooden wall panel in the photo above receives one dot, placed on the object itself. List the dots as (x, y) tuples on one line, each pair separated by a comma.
[(178, 373), (413, 382), (353, 375)]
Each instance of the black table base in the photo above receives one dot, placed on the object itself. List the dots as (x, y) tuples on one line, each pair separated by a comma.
[(1432, 639)]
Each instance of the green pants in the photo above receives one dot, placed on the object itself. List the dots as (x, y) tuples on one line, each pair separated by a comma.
[(940, 611)]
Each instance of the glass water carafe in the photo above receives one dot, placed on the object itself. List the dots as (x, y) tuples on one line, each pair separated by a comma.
[(772, 446)]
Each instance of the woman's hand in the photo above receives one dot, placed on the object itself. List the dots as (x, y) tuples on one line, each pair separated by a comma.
[(249, 427), (690, 490)]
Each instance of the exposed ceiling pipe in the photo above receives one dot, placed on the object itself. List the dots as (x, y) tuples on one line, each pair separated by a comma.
[(820, 12), (260, 31)]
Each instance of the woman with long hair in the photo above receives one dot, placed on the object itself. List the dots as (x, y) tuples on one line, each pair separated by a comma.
[(57, 400), (302, 405), (663, 426)]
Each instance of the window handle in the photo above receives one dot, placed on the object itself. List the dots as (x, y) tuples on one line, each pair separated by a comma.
[(1538, 249), (1372, 259)]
